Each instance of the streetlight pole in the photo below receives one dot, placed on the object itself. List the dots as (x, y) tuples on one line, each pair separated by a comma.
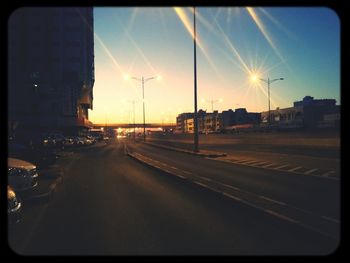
[(268, 81), (143, 102), (196, 147), (212, 103), (133, 107), (143, 81)]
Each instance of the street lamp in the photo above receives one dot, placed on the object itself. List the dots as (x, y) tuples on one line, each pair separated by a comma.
[(212, 102), (268, 81), (143, 80)]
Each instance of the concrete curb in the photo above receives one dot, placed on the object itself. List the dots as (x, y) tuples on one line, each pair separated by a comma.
[(202, 154)]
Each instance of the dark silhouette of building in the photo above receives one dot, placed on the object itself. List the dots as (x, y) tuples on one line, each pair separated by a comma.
[(50, 69), (307, 114)]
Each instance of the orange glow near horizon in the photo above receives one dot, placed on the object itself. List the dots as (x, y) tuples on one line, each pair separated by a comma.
[(237, 47)]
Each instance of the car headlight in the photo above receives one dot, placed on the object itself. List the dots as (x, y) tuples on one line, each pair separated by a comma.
[(13, 171)]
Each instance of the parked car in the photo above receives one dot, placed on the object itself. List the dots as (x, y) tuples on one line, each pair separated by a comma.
[(42, 156), (68, 141), (79, 141), (22, 175), (13, 206), (57, 139)]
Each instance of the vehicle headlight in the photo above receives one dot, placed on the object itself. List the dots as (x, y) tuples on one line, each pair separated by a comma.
[(13, 171), (12, 200)]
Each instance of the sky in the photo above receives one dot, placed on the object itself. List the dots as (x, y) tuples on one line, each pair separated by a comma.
[(299, 44)]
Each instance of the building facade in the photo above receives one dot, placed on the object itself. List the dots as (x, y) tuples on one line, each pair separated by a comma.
[(50, 69), (308, 114)]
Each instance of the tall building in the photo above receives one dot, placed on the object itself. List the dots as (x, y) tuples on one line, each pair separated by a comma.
[(50, 69)]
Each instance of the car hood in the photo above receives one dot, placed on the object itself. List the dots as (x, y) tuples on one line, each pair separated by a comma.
[(17, 163)]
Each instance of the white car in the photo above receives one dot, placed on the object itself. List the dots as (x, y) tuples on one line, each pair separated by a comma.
[(22, 175)]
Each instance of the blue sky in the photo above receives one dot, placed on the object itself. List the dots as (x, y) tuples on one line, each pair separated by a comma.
[(301, 45)]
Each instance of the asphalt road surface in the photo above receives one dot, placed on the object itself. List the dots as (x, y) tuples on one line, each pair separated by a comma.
[(111, 204)]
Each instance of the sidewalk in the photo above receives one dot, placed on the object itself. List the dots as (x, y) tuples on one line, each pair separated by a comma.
[(202, 153)]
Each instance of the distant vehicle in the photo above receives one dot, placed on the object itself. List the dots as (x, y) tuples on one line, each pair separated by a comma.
[(22, 175), (13, 206)]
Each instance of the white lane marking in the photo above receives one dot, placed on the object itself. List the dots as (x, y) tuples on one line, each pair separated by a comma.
[(205, 178), (281, 216), (231, 196), (269, 165), (250, 162), (271, 200), (230, 186), (173, 167), (310, 171), (204, 185), (185, 172), (328, 173), (260, 163), (331, 219), (282, 166), (242, 161), (180, 176), (294, 169)]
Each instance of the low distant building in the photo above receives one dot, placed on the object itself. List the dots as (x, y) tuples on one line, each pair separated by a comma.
[(189, 125), (308, 114), (181, 122), (211, 123)]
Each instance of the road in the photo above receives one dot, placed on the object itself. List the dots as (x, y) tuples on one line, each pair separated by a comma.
[(111, 204)]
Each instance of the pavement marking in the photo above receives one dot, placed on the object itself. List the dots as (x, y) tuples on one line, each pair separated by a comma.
[(185, 172), (260, 163), (294, 169), (242, 161), (231, 196), (250, 162), (205, 178), (331, 219), (269, 165), (230, 186), (271, 200), (282, 166), (174, 167), (204, 185), (281, 216), (180, 176), (328, 173), (310, 171)]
